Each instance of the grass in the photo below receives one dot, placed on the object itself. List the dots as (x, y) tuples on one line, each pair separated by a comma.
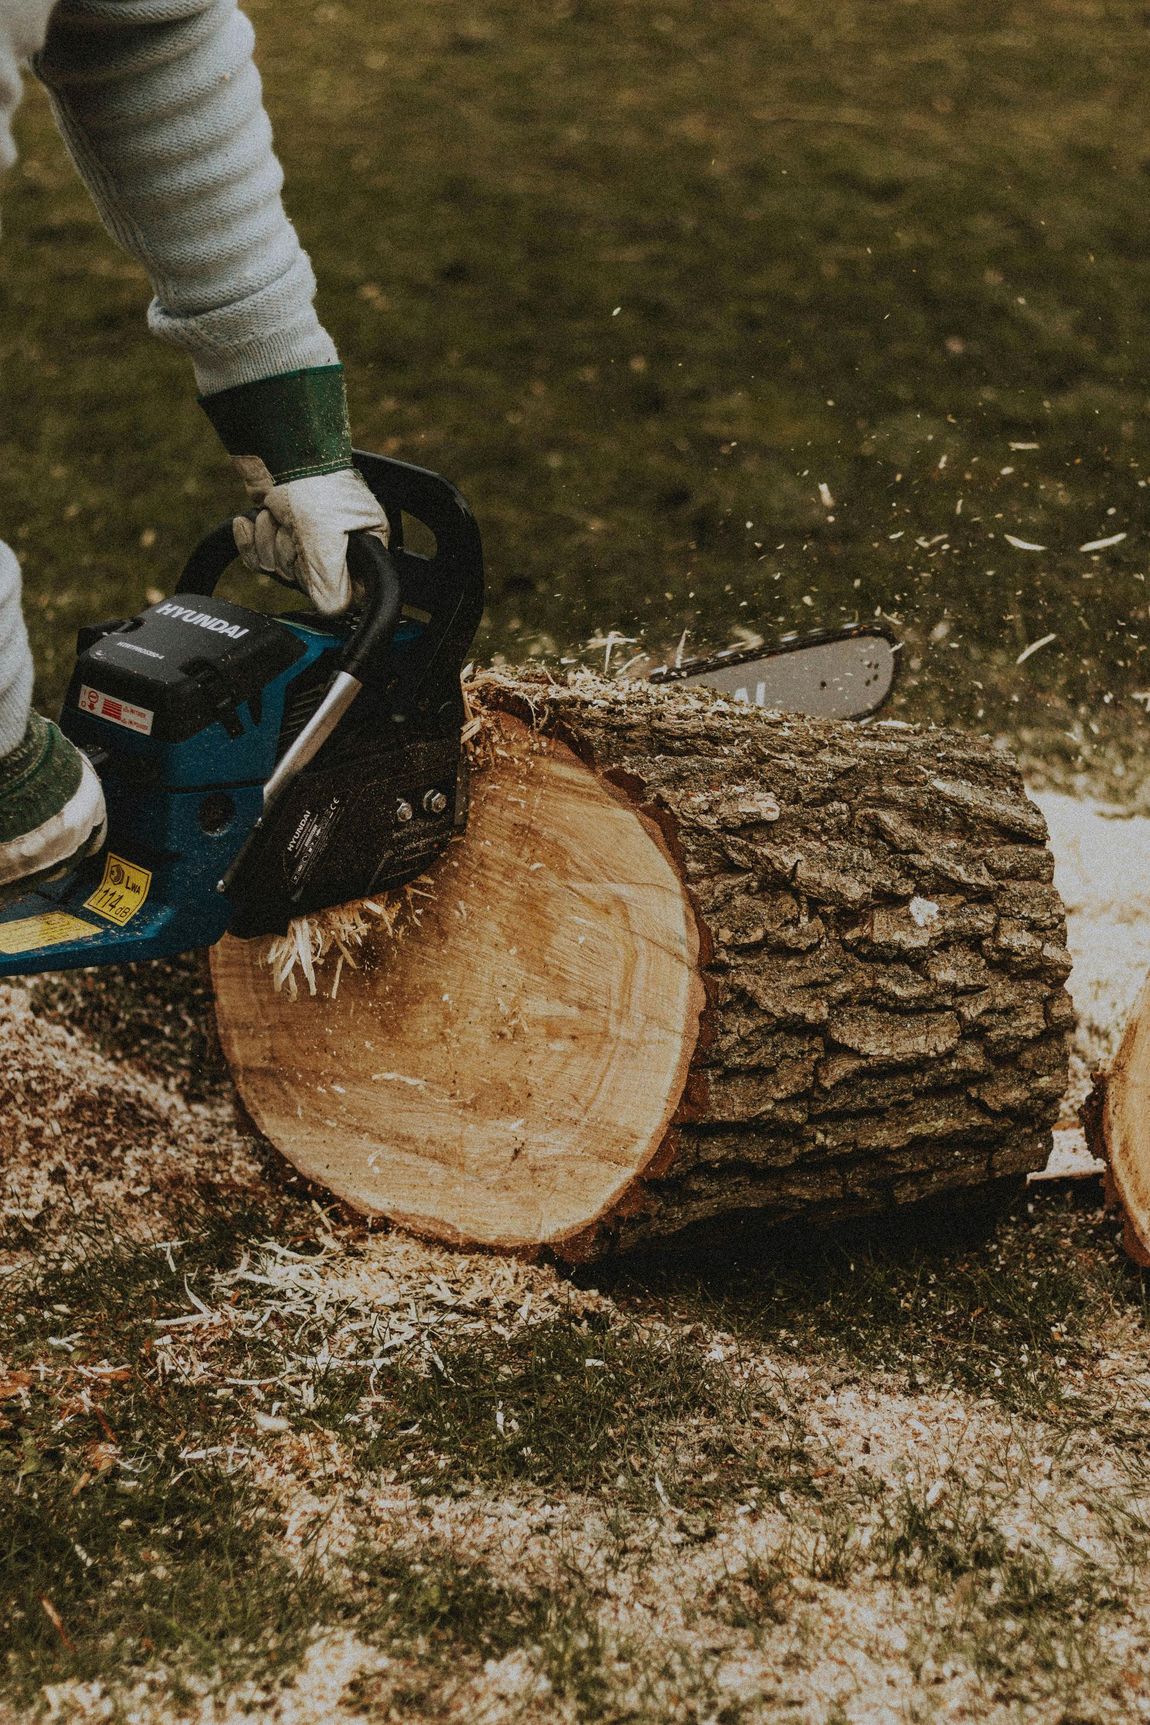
[(1028, 1615), (102, 1581), (565, 1408), (140, 1534), (437, 1607), (1013, 1315), (641, 281), (754, 1596), (136, 1532), (1029, 1621), (128, 1533)]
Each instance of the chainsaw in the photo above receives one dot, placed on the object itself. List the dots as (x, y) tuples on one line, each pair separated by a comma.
[(258, 767)]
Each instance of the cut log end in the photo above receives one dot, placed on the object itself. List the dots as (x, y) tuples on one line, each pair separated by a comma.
[(1116, 1117), (688, 962), (503, 1073)]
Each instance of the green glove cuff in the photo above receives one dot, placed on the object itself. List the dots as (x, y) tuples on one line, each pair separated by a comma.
[(296, 424)]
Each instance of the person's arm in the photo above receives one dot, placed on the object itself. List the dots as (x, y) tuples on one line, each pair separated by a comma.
[(161, 107)]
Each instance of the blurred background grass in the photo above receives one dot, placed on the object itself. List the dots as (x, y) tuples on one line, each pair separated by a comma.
[(652, 282)]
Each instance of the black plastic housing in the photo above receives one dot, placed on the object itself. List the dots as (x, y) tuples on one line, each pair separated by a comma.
[(182, 664), (384, 795)]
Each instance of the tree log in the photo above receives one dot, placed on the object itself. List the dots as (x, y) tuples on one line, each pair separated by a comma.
[(1116, 1116), (689, 961)]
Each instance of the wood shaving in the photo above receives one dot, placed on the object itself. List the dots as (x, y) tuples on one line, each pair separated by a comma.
[(340, 931)]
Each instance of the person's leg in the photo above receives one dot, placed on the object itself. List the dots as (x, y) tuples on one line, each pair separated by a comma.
[(15, 657), (23, 24), (51, 805)]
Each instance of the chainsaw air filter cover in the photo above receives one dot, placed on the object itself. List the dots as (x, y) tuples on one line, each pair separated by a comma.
[(178, 667)]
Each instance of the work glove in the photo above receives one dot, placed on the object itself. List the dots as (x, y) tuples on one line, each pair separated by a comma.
[(300, 531), (289, 440)]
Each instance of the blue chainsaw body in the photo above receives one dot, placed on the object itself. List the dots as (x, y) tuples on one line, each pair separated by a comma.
[(186, 711), (155, 792)]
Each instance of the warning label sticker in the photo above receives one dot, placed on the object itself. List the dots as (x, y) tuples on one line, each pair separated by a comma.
[(27, 933), (122, 892), (118, 712)]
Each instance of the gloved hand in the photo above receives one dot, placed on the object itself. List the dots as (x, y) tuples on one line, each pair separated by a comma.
[(302, 526), (289, 439)]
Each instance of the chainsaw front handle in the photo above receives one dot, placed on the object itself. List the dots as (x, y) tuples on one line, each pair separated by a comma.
[(446, 586), (368, 652)]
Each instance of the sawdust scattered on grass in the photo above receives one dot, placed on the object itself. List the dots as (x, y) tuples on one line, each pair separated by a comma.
[(1102, 871), (932, 1553), (918, 1551), (87, 1138)]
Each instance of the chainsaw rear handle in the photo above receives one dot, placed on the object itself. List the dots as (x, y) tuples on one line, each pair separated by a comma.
[(448, 585), (372, 572)]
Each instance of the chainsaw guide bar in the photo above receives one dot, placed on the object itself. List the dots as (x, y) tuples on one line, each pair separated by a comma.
[(827, 674)]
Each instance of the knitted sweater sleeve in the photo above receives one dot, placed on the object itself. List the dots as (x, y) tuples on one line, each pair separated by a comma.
[(160, 104)]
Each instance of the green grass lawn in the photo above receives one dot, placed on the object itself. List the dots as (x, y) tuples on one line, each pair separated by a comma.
[(642, 279)]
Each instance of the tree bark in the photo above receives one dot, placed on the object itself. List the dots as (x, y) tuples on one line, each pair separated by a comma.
[(689, 961)]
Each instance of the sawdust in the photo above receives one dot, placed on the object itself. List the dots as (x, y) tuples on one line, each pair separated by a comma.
[(386, 1298), (321, 1690), (87, 1136), (337, 934), (871, 1647), (1102, 871)]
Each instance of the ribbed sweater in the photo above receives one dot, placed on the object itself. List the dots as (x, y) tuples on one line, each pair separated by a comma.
[(160, 105)]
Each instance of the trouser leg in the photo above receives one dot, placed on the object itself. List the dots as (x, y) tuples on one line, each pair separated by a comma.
[(15, 657), (22, 27)]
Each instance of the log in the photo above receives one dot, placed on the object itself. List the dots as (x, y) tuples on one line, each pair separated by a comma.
[(1116, 1116), (689, 962)]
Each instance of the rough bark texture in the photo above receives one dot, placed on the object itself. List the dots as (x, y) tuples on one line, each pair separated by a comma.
[(884, 961), (873, 1011)]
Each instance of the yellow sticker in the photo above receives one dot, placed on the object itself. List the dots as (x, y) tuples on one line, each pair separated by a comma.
[(122, 891), (53, 929)]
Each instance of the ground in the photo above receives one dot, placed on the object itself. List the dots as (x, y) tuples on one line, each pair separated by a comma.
[(260, 1461), (728, 320)]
